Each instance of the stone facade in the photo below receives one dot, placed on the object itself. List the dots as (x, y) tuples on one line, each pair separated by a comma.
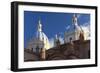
[(73, 50)]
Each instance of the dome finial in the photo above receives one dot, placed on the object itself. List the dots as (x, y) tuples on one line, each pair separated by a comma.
[(39, 26), (74, 19)]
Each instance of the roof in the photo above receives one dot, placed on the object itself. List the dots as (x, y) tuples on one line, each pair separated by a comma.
[(67, 50), (77, 50)]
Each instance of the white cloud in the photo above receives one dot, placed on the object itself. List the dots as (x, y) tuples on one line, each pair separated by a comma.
[(51, 40), (87, 25), (67, 27), (61, 40)]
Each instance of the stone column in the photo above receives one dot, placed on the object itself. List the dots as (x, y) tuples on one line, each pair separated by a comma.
[(43, 54)]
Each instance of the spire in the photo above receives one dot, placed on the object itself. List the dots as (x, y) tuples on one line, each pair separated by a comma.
[(74, 20), (39, 26), (57, 41), (56, 36)]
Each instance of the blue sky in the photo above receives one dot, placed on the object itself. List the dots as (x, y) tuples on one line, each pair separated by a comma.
[(52, 23)]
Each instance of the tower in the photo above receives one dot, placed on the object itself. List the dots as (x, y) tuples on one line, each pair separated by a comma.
[(74, 20), (43, 54), (81, 36), (73, 31), (56, 41), (39, 42), (80, 31), (44, 41), (41, 38)]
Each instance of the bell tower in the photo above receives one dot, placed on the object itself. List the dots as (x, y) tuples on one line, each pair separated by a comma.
[(43, 54), (56, 41)]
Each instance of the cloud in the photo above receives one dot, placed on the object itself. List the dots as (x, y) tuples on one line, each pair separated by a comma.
[(51, 40), (67, 27), (86, 26), (61, 40), (86, 23)]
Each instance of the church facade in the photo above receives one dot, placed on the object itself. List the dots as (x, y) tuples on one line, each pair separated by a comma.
[(73, 32)]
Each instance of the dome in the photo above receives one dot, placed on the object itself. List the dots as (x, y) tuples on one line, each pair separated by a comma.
[(41, 36), (73, 28), (39, 39), (73, 31)]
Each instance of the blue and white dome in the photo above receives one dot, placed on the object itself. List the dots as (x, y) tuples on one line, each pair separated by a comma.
[(73, 31), (41, 36), (39, 39), (74, 27)]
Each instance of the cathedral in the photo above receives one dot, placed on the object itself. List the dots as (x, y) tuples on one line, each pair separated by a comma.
[(39, 46)]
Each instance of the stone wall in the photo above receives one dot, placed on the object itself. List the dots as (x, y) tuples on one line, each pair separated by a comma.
[(75, 50)]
